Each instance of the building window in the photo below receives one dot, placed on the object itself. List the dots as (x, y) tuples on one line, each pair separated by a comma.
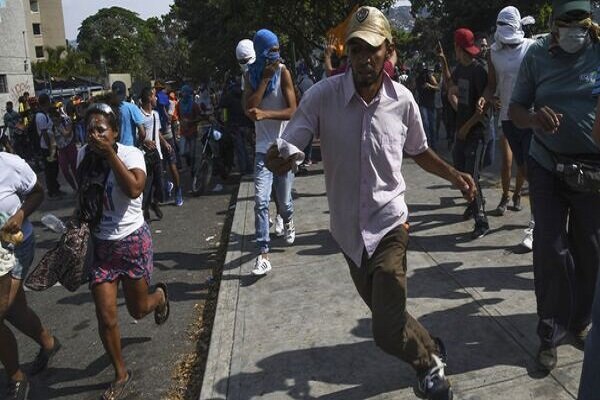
[(39, 51), (3, 84), (33, 5), (37, 29)]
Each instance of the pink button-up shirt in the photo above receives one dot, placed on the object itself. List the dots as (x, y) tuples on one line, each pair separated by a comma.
[(362, 147)]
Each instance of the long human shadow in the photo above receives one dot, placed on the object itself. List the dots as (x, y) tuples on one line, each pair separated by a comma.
[(42, 385), (475, 342)]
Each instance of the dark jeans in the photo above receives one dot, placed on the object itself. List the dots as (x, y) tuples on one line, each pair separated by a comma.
[(589, 387), (153, 191), (381, 282), (519, 141), (566, 254), (468, 157), (51, 173), (244, 161), (428, 117)]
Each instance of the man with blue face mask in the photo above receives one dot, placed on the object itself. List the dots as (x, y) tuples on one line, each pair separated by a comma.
[(556, 80), (270, 103)]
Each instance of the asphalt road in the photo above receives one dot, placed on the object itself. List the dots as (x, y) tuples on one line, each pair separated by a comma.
[(186, 244)]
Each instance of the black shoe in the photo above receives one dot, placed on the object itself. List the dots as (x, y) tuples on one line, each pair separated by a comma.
[(579, 337), (157, 211), (433, 384), (501, 209), (17, 390), (43, 358), (480, 231), (547, 357), (517, 202)]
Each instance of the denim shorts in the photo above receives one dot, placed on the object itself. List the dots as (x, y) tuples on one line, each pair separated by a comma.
[(25, 253)]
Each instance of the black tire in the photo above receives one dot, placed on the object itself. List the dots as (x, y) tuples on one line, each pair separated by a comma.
[(202, 177)]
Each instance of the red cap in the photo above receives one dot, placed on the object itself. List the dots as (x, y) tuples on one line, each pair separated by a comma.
[(465, 39)]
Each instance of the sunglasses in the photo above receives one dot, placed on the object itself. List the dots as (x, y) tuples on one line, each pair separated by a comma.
[(244, 61)]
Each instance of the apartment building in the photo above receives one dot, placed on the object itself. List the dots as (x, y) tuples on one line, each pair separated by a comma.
[(15, 65), (45, 26)]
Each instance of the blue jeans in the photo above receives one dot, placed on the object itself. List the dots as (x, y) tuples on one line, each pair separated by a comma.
[(24, 253), (428, 117), (263, 180)]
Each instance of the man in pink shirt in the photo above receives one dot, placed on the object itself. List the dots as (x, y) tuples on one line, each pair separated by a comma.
[(366, 122)]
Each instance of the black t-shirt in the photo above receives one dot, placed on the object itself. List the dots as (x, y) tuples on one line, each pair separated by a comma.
[(471, 81), (232, 101), (426, 95)]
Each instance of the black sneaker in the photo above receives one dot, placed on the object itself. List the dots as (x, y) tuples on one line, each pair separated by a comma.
[(547, 357), (43, 358), (17, 390), (501, 209), (433, 384), (481, 229)]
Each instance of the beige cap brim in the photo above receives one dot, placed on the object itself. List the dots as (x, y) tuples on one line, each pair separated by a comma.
[(371, 38)]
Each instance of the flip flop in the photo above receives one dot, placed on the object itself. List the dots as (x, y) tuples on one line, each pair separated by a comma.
[(161, 314), (117, 391)]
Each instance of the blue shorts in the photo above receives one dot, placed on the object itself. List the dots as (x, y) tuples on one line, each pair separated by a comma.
[(24, 253), (519, 141)]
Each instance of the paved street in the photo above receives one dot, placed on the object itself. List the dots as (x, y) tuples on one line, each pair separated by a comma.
[(185, 251), (302, 331)]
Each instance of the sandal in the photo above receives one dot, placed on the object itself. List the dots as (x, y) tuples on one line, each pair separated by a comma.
[(118, 391), (161, 313)]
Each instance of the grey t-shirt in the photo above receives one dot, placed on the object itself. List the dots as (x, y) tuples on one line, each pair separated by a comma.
[(564, 82)]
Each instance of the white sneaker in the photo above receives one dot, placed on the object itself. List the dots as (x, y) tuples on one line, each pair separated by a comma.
[(279, 226), (290, 232), (527, 241), (261, 266)]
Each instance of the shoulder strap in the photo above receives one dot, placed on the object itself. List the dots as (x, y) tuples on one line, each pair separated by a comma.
[(153, 126)]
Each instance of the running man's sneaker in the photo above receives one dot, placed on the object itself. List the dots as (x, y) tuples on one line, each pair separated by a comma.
[(517, 202), (290, 232), (261, 266), (527, 241), (279, 229), (547, 357), (178, 198), (433, 385), (17, 390)]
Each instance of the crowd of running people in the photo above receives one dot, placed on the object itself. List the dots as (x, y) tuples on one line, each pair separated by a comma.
[(536, 96)]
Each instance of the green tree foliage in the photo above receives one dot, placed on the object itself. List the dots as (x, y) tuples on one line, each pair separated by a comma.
[(63, 62), (214, 27), (117, 37), (168, 55)]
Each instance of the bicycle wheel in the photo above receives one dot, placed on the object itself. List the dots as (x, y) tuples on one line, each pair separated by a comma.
[(202, 178)]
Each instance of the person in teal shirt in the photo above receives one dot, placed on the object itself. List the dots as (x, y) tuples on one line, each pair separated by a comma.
[(553, 96)]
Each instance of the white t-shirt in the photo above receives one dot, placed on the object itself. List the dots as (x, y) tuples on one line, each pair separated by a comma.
[(17, 179), (151, 121), (122, 215), (269, 130), (43, 121), (507, 62)]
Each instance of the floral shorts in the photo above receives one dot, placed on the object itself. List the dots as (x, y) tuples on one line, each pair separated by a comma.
[(130, 257)]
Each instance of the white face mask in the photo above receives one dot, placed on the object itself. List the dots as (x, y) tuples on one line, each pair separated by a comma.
[(507, 34), (571, 40)]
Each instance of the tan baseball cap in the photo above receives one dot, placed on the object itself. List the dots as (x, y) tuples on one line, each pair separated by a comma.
[(370, 25)]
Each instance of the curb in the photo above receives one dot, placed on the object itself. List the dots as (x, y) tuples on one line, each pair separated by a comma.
[(218, 363)]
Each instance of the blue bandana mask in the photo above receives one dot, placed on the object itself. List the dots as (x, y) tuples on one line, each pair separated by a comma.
[(264, 41)]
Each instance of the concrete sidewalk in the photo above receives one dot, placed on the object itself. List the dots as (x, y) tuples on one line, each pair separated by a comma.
[(302, 332)]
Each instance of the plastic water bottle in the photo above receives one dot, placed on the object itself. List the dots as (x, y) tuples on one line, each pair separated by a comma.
[(54, 223)]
